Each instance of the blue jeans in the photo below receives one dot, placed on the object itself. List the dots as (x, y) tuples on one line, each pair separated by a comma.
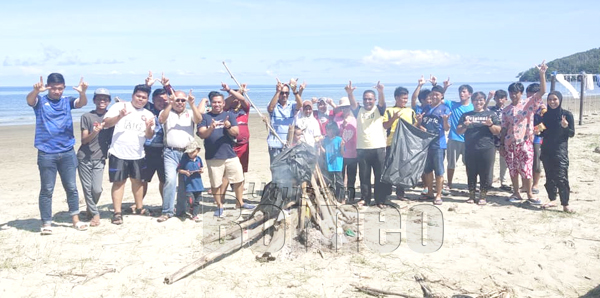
[(65, 163), (171, 190)]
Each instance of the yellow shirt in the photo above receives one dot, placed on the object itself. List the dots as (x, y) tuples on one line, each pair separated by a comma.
[(369, 129), (407, 114)]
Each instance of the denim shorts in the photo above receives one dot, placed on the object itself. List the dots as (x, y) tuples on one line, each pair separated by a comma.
[(435, 162)]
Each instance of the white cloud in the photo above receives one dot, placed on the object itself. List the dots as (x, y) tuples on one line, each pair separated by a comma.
[(410, 58)]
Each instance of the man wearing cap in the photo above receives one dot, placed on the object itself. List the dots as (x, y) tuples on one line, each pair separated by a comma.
[(178, 125), (282, 116), (92, 153), (370, 146), (309, 124), (218, 129)]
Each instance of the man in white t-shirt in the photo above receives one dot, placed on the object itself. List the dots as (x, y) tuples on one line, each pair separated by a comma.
[(370, 142), (133, 125), (309, 124), (178, 125)]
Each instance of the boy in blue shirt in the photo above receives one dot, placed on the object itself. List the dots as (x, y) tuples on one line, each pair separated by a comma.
[(54, 140), (190, 167), (456, 141), (435, 120), (333, 147)]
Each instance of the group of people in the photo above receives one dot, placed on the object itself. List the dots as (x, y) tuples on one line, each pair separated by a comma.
[(352, 135), (141, 138)]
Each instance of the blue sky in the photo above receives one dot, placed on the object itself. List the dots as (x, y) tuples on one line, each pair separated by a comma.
[(117, 42)]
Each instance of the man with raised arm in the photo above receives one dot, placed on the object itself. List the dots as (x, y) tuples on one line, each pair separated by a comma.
[(282, 115), (133, 125), (371, 142), (178, 124), (54, 140), (516, 137)]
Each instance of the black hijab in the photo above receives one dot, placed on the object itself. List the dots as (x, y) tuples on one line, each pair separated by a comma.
[(553, 117)]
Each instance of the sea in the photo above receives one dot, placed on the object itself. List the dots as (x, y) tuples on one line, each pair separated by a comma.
[(15, 111)]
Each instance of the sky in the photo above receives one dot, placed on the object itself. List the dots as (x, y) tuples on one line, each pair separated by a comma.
[(320, 42)]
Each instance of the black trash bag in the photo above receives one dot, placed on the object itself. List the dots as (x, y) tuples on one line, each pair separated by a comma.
[(289, 169), (294, 165), (407, 157)]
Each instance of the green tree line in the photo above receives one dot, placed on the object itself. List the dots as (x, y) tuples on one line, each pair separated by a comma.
[(588, 61)]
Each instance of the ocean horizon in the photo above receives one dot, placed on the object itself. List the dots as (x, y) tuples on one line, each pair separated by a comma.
[(15, 111)]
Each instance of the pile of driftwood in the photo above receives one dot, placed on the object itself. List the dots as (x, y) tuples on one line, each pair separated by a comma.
[(297, 197)]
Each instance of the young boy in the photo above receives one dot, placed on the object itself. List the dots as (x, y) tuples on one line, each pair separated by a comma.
[(333, 147), (390, 122), (435, 120), (456, 141), (92, 153), (190, 167), (54, 140)]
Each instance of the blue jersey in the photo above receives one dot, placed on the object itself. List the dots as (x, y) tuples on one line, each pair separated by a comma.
[(457, 109), (333, 154), (54, 124), (194, 181), (434, 123)]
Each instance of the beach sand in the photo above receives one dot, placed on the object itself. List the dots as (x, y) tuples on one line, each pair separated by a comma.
[(513, 247)]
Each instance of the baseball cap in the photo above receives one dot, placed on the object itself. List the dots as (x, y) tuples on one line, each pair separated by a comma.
[(102, 91), (192, 147)]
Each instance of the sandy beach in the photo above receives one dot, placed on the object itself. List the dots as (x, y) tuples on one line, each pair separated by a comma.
[(515, 248)]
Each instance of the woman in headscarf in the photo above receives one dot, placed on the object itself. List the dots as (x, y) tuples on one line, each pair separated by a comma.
[(560, 127)]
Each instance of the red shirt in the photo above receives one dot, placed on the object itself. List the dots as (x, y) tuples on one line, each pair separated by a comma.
[(241, 116)]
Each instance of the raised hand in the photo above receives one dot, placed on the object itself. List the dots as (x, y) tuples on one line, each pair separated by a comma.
[(279, 85), (564, 123), (191, 98), (224, 87), (329, 100), (171, 99), (447, 83), (433, 80), (293, 83), (39, 86), (491, 94), (314, 100), (82, 87), (422, 81), (542, 67), (150, 80), (244, 88), (163, 80), (303, 85), (379, 87), (349, 88)]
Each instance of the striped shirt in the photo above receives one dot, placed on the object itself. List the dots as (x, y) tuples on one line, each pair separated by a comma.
[(54, 124)]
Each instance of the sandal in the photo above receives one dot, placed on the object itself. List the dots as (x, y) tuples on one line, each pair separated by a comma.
[(533, 201), (163, 218), (81, 226), (470, 201), (425, 197), (482, 202), (46, 230), (197, 218), (117, 218), (142, 211), (437, 202)]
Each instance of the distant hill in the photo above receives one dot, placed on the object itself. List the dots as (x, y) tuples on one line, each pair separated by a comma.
[(588, 61)]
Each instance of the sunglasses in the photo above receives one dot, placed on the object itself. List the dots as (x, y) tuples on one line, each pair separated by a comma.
[(285, 93), (180, 100)]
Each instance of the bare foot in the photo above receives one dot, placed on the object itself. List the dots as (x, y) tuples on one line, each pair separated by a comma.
[(568, 210), (549, 205)]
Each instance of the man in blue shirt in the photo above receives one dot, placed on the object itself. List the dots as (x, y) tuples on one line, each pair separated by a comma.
[(54, 140), (456, 141), (282, 115)]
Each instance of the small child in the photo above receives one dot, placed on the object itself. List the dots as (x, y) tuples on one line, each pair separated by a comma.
[(190, 167), (333, 147), (298, 136)]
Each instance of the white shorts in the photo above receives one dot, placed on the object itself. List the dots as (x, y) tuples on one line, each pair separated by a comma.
[(229, 168)]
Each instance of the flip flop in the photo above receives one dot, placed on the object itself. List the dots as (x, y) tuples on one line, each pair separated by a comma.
[(482, 202), (533, 201), (514, 199), (46, 230), (81, 226), (438, 202)]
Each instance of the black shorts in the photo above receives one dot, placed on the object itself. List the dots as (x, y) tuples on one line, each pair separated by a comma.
[(121, 169), (155, 163)]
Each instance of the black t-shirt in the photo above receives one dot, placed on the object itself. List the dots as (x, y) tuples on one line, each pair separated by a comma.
[(219, 145), (478, 135)]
